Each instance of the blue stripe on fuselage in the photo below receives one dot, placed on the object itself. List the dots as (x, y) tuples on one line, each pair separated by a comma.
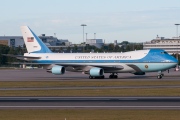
[(154, 56)]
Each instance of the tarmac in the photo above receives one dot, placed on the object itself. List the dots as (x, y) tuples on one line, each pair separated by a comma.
[(42, 75), (90, 102), (78, 102)]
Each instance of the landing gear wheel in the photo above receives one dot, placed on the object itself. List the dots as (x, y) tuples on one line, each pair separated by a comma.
[(159, 76), (90, 77), (110, 76), (102, 77), (113, 76)]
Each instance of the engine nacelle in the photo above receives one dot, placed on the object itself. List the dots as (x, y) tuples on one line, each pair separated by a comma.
[(139, 73), (58, 70), (96, 72)]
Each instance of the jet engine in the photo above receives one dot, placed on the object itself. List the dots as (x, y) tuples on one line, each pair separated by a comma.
[(96, 72), (57, 70)]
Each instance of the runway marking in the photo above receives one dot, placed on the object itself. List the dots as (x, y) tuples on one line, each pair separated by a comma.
[(93, 87), (89, 106)]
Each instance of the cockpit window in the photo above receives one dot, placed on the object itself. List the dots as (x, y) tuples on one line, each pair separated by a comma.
[(164, 52)]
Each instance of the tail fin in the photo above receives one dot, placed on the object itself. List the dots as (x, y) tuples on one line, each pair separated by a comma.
[(33, 43)]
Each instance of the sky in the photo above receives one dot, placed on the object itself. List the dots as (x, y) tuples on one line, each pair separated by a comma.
[(121, 20)]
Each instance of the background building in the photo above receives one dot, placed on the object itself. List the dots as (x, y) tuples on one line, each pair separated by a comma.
[(12, 41), (16, 41), (95, 42), (172, 46)]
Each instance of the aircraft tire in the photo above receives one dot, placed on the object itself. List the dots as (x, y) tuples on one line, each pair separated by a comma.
[(110, 76), (90, 77), (102, 77), (113, 76), (159, 76)]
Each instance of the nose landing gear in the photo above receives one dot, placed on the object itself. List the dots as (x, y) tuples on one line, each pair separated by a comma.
[(160, 75)]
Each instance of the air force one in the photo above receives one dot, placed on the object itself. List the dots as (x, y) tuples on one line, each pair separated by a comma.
[(95, 64)]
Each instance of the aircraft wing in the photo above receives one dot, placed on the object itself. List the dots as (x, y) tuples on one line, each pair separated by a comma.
[(111, 67), (73, 67), (88, 67)]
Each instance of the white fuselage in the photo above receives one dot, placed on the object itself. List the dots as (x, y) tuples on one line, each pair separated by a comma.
[(102, 59)]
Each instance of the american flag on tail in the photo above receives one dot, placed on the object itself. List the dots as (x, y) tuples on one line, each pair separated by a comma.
[(30, 39)]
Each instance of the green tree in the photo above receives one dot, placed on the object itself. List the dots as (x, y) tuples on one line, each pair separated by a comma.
[(24, 49), (12, 51), (111, 47), (3, 50), (124, 43), (19, 50), (75, 48), (117, 48)]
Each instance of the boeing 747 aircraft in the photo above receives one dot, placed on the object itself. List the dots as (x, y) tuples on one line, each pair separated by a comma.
[(95, 64)]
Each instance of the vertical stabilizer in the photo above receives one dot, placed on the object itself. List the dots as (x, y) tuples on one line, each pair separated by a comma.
[(33, 43)]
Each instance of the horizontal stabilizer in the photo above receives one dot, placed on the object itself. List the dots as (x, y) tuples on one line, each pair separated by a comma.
[(22, 63), (20, 56)]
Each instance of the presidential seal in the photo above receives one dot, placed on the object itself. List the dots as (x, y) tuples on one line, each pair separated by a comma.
[(146, 66)]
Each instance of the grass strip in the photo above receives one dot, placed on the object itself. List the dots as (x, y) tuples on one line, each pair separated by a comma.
[(26, 84), (95, 92), (84, 114)]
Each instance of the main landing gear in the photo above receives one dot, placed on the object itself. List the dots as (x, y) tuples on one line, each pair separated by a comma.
[(113, 75), (160, 75)]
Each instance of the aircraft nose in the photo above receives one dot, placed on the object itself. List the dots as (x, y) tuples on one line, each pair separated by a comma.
[(174, 61)]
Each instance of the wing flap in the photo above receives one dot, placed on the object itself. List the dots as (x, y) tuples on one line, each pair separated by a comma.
[(118, 67), (88, 67)]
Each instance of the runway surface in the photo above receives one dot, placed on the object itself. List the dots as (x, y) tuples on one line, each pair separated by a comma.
[(86, 102), (42, 75), (92, 87), (90, 102)]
